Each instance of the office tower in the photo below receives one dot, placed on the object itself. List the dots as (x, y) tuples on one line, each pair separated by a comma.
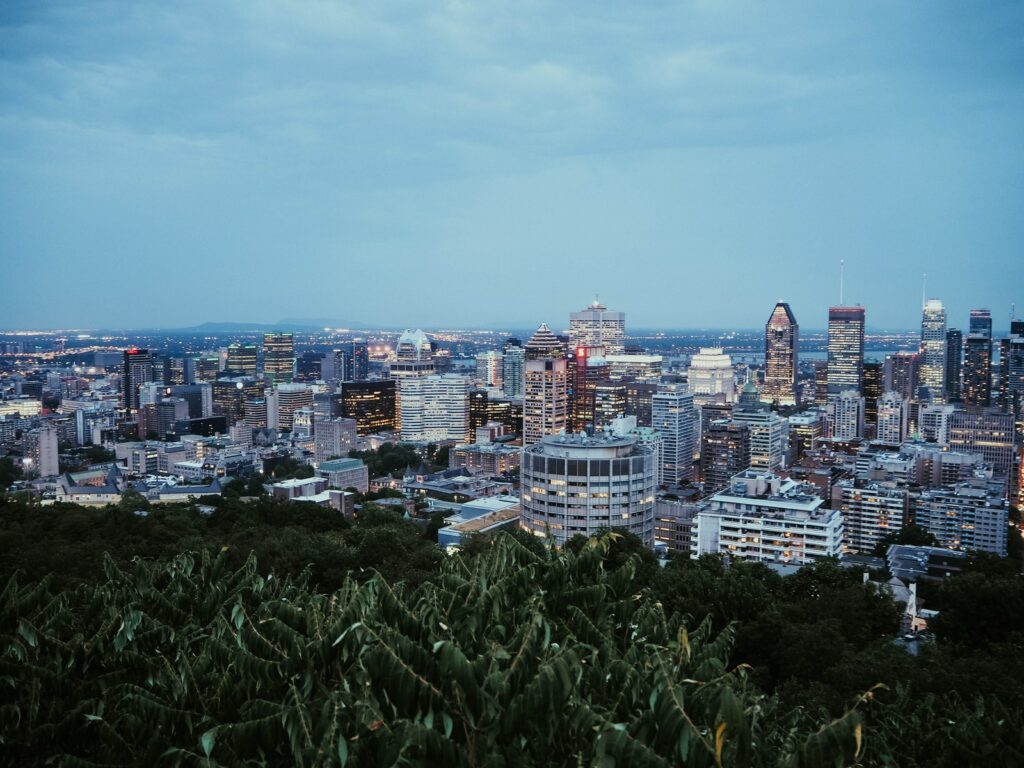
[(242, 360), (634, 367), (412, 356), (673, 415), (546, 390), (900, 373), (434, 408), (489, 368), (710, 377), (309, 366), (506, 412), (981, 323), (279, 357), (170, 411), (639, 400), (804, 429), (198, 396), (333, 365), (597, 326), (781, 341), (933, 422), (933, 351), (479, 410), (846, 413), (1011, 367), (41, 451), (256, 413), (136, 370), (871, 388), (988, 432), (230, 395), (893, 419), (609, 403), (954, 366), (845, 349), (512, 370), (577, 485), (544, 344), (589, 368), (978, 369), (871, 511), (762, 517), (178, 371), (291, 397), (205, 368), (820, 382), (768, 430), (724, 452), (358, 363), (371, 403), (332, 438), (302, 423)]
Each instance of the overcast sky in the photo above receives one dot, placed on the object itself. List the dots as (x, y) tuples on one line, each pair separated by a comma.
[(493, 164)]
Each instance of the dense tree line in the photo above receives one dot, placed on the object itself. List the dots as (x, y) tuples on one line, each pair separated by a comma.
[(287, 635)]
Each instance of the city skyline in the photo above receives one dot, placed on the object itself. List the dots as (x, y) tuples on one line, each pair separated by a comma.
[(288, 156)]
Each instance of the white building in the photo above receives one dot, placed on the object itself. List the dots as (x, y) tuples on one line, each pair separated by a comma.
[(637, 367), (545, 398), (489, 366), (345, 473), (289, 398), (674, 416), (933, 423), (710, 376), (435, 408), (333, 438), (579, 484), (769, 432), (871, 511), (765, 518), (932, 371), (597, 326), (893, 419), (41, 451), (846, 415)]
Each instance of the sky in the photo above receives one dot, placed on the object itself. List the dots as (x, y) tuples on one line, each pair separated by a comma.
[(499, 163)]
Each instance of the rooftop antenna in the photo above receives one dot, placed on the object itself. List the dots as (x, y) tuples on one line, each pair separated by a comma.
[(842, 274)]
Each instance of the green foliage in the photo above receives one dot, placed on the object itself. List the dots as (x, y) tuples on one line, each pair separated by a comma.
[(506, 659), (9, 472), (912, 535), (390, 459)]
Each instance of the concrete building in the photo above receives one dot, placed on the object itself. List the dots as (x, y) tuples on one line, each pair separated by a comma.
[(846, 415), (871, 511), (969, 516), (933, 350), (893, 419), (710, 377), (489, 368), (345, 473), (988, 432), (546, 391), (578, 485), (333, 438), (289, 399), (41, 451), (767, 519), (782, 339), (597, 326), (634, 367), (434, 408), (279, 357), (769, 432), (513, 361), (674, 416), (845, 349)]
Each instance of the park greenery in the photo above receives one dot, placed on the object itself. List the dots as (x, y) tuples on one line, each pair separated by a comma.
[(247, 630)]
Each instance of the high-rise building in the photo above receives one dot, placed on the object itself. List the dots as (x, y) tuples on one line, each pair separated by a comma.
[(332, 438), (893, 419), (674, 416), (970, 515), (434, 408), (1011, 368), (900, 373), (981, 322), (768, 430), (634, 367), (489, 366), (205, 368), (711, 378), (609, 403), (781, 341), (589, 368), (242, 360), (988, 432), (279, 357), (479, 410), (309, 366), (577, 485), (954, 365), (136, 370), (546, 391), (845, 349), (871, 511), (41, 448), (724, 453), (978, 368), (597, 326), (413, 356), (371, 403), (871, 388), (358, 362), (846, 413), (512, 371), (933, 350), (933, 422), (291, 397), (820, 382), (639, 400)]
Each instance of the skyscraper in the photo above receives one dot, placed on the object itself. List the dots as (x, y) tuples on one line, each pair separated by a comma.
[(981, 322), (724, 453), (137, 369), (489, 366), (933, 350), (954, 356), (893, 419), (588, 369), (1011, 367), (710, 377), (358, 361), (546, 390), (279, 356), (871, 388), (846, 411), (768, 430), (901, 372), (242, 360), (978, 360), (371, 403), (512, 361), (781, 339), (597, 326), (675, 417), (845, 349), (435, 408)]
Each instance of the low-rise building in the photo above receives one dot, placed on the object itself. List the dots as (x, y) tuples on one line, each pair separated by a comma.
[(969, 516), (345, 473)]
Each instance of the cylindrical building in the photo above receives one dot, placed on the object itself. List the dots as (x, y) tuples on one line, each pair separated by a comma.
[(578, 484)]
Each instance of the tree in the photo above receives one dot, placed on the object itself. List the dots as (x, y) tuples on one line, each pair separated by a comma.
[(9, 472)]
